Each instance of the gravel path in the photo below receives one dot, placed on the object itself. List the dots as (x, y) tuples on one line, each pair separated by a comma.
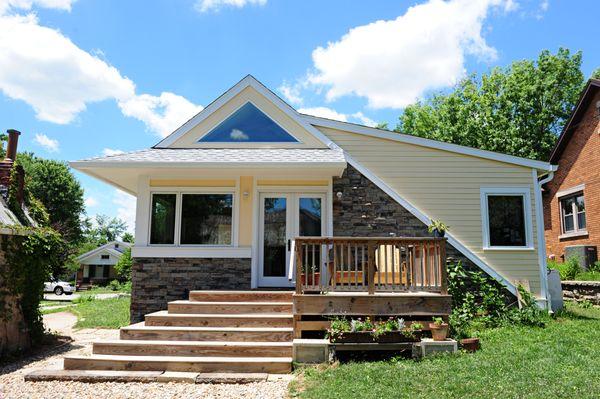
[(12, 384)]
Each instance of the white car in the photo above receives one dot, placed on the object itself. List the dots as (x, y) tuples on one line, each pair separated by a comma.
[(58, 287)]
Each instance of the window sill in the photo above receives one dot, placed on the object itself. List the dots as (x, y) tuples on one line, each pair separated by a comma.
[(166, 251), (582, 233), (508, 248)]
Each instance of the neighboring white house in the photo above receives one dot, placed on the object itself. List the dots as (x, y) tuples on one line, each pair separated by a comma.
[(98, 265)]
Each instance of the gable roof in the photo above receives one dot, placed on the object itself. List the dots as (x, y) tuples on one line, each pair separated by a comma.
[(115, 248), (588, 93)]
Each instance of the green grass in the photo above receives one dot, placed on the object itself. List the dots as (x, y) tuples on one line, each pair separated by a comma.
[(559, 361), (588, 276), (102, 313)]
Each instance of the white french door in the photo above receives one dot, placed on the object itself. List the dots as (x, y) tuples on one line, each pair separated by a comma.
[(284, 216)]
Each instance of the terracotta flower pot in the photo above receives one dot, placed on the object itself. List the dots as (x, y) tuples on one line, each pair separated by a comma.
[(439, 332), (470, 344)]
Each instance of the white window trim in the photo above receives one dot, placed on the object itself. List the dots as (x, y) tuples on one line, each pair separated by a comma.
[(523, 191), (566, 194), (178, 204)]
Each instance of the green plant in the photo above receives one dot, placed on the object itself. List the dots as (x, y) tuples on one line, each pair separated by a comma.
[(416, 326), (570, 269), (437, 225), (438, 321), (124, 264), (594, 267), (338, 326), (114, 285), (586, 304)]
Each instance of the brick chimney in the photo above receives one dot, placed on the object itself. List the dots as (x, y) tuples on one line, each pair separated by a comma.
[(6, 166)]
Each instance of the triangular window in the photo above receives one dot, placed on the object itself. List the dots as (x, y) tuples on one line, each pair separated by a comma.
[(248, 125)]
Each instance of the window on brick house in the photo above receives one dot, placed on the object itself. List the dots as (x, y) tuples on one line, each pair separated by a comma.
[(572, 213)]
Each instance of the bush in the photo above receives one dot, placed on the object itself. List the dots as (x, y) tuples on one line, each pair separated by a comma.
[(570, 269), (123, 266), (114, 285)]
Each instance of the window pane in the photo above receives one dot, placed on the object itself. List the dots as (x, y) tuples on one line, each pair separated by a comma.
[(206, 219), (580, 203), (310, 217), (568, 223), (567, 205), (581, 220), (507, 220), (274, 250), (162, 230)]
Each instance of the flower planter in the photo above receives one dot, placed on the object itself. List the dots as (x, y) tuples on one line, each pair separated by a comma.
[(393, 337), (439, 332), (359, 337), (310, 278), (438, 234), (362, 337), (470, 344)]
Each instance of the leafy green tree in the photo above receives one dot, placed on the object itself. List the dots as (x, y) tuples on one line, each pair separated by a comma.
[(518, 110), (127, 237), (123, 266), (55, 186), (103, 229)]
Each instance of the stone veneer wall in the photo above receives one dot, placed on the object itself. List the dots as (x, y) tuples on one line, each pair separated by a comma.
[(365, 210), (157, 281), (580, 291)]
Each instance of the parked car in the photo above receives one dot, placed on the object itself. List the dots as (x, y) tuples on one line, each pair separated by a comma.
[(58, 287)]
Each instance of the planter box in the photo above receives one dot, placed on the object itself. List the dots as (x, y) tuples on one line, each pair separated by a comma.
[(354, 338), (398, 336), (367, 337), (310, 278)]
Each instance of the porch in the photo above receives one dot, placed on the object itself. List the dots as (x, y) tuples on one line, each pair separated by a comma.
[(367, 276)]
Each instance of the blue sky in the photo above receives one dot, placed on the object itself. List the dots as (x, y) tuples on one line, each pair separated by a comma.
[(90, 77)]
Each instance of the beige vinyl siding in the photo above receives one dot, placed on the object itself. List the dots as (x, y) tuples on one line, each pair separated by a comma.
[(445, 185)]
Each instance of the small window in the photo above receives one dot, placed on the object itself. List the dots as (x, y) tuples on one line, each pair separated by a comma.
[(248, 125), (206, 219), (505, 214), (104, 257), (162, 230), (572, 209)]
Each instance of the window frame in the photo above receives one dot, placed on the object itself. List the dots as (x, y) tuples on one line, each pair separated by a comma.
[(578, 191), (525, 193), (233, 191)]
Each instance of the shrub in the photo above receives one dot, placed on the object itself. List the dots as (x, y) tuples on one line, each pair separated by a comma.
[(570, 269), (123, 266), (114, 285), (595, 267)]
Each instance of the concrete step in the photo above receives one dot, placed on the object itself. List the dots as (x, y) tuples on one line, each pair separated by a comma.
[(164, 318), (190, 307), (193, 348), (177, 363), (255, 334), (241, 296)]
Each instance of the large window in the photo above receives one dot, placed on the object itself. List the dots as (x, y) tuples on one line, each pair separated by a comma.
[(572, 214), (162, 229), (506, 218), (192, 218), (206, 219)]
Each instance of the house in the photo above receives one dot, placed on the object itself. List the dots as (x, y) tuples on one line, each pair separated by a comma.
[(572, 198), (14, 335), (249, 195), (98, 265)]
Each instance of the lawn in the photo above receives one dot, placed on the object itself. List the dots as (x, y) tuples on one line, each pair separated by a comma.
[(559, 361), (98, 313)]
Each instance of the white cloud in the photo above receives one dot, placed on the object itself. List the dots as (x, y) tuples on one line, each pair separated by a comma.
[(325, 112), (6, 5), (237, 134), (107, 152), (44, 68), (291, 93), (394, 62), (46, 142), (216, 5), (125, 208), (161, 114), (91, 202)]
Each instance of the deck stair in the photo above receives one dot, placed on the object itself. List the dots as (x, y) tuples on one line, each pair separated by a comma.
[(212, 332)]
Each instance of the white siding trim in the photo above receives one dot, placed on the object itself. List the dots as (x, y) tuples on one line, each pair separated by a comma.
[(524, 192), (426, 219), (191, 252)]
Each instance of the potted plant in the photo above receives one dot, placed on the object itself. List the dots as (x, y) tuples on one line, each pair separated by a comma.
[(439, 329), (470, 344), (351, 331), (438, 228)]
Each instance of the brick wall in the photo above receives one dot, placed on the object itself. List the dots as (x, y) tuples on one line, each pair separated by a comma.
[(157, 281), (579, 164)]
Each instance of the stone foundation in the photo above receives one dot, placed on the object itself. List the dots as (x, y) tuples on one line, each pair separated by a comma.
[(580, 291), (157, 281)]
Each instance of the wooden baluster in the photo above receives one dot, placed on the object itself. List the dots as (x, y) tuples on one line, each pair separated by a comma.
[(443, 268), (299, 268), (355, 266), (335, 262), (371, 268), (364, 269)]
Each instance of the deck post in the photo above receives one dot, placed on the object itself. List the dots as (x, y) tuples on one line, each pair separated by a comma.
[(371, 268), (298, 255), (443, 267)]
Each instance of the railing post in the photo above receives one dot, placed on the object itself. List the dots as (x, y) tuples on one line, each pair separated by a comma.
[(444, 271), (299, 266), (371, 268)]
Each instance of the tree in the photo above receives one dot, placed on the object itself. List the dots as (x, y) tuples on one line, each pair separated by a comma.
[(517, 110), (55, 186), (123, 266), (127, 237), (103, 230)]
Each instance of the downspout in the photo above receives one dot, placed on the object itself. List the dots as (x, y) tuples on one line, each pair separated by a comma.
[(541, 239)]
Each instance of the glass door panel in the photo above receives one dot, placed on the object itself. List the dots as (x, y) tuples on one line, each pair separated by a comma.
[(275, 237)]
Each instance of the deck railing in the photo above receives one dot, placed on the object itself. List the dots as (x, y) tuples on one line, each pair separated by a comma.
[(395, 264)]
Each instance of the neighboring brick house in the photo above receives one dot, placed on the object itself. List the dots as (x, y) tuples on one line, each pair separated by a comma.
[(572, 197)]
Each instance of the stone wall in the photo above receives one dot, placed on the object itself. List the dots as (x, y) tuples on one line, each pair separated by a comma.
[(157, 281), (365, 210), (579, 291)]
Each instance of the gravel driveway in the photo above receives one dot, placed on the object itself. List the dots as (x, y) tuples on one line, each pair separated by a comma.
[(12, 384)]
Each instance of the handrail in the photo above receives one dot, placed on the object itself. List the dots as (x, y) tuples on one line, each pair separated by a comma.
[(292, 260), (370, 264)]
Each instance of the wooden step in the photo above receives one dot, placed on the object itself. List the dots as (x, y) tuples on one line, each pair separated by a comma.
[(241, 296), (256, 334), (189, 364), (193, 348), (164, 318), (189, 307)]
